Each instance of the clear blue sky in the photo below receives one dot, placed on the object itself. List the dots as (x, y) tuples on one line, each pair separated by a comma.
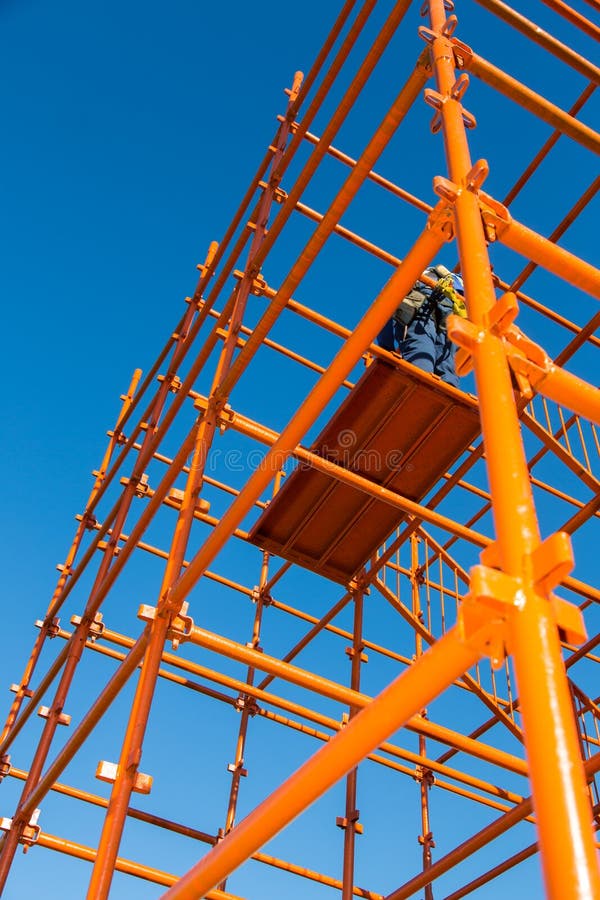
[(130, 133)]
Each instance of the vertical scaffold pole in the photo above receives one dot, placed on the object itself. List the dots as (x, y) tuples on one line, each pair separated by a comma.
[(206, 427), (558, 783), (304, 787), (247, 706), (75, 647), (66, 568), (350, 822), (425, 775)]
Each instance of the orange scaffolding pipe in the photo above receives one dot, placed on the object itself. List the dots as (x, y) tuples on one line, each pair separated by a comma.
[(510, 608), (560, 798), (412, 690)]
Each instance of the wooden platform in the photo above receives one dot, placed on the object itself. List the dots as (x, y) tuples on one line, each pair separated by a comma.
[(399, 430)]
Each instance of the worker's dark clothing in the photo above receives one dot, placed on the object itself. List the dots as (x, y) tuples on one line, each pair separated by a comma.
[(424, 342)]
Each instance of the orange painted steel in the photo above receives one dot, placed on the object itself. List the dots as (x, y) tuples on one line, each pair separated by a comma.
[(155, 876), (350, 821), (372, 176), (66, 569), (181, 829), (204, 433), (324, 621), (104, 579), (587, 196), (545, 150), (417, 759), (427, 514), (32, 797), (535, 103), (568, 848), (423, 633), (374, 724), (312, 681), (559, 385), (415, 262), (573, 16), (488, 833), (247, 708), (538, 35), (150, 874), (303, 523), (425, 776), (555, 259), (371, 154), (340, 113), (461, 596)]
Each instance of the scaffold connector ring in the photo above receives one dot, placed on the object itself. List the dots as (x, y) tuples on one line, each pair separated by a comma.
[(445, 189), (180, 628), (4, 766), (458, 89), (441, 220), (463, 55), (483, 616), (31, 831), (477, 175)]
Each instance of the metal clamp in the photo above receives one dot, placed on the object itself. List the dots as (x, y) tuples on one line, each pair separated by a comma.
[(426, 840), (62, 718), (140, 484), (89, 521), (106, 545), (259, 286), (424, 775), (4, 766), (259, 595), (350, 821), (495, 216), (248, 703), (180, 626), (119, 436), (201, 506), (437, 101), (469, 337), (52, 627), (441, 220), (351, 652), (463, 54), (108, 771), (530, 364), (30, 832), (95, 627), (494, 597), (448, 6), (18, 689)]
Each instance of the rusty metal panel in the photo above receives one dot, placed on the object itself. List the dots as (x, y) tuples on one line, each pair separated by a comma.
[(399, 429)]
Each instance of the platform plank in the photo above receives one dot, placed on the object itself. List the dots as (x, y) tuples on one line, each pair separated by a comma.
[(396, 428)]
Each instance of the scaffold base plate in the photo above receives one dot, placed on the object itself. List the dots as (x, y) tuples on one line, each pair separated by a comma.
[(398, 429)]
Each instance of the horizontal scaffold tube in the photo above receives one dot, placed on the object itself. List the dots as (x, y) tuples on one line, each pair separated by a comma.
[(410, 692), (418, 258), (380, 140), (490, 832), (327, 688), (86, 726), (555, 259), (288, 706), (533, 102), (80, 851), (543, 38)]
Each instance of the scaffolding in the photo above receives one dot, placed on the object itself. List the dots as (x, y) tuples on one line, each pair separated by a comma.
[(376, 636)]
